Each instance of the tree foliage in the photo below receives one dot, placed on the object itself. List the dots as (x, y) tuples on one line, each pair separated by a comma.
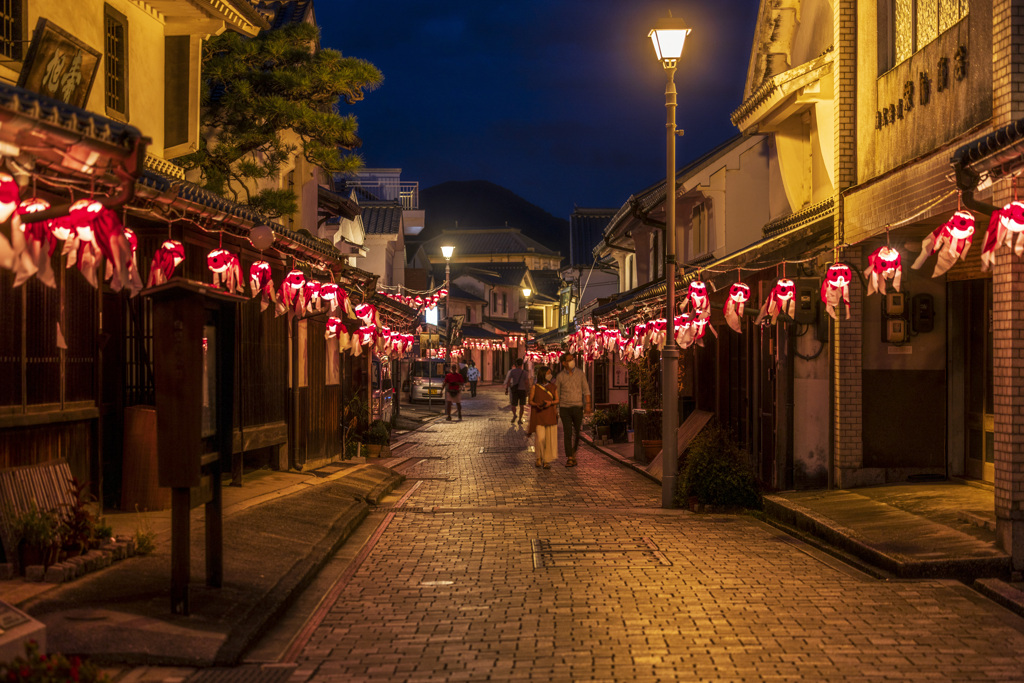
[(256, 89)]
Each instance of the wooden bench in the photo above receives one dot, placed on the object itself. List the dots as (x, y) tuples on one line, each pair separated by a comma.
[(47, 486)]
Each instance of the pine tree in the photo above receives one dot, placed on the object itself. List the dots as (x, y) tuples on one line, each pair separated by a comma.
[(256, 89)]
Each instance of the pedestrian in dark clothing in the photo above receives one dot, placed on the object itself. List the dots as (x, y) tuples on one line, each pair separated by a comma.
[(517, 384)]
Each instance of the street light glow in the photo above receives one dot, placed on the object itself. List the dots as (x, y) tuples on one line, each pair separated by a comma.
[(668, 36), (527, 292), (447, 252)]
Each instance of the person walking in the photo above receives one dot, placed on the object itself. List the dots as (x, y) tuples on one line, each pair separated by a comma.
[(544, 417), (573, 398), (452, 388), (472, 376), (517, 383)]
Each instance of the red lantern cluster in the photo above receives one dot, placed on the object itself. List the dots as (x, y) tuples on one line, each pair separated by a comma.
[(430, 301)]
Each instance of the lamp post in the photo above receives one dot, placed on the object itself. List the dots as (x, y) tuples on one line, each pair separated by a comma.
[(668, 36), (527, 292), (447, 252)]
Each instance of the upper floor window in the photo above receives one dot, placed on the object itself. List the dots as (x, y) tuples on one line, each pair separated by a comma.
[(699, 229), (11, 31), (115, 58), (918, 22)]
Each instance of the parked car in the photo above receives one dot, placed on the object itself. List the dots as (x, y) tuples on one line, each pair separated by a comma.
[(426, 379), (383, 391)]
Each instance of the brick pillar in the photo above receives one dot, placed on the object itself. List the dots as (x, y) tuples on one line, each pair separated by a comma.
[(1007, 67), (847, 348), (848, 351), (1008, 296)]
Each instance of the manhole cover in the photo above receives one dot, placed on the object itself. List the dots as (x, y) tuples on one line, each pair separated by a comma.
[(628, 554), (501, 449), (243, 674)]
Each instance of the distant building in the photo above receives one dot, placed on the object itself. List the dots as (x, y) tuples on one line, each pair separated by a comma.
[(487, 245), (586, 229)]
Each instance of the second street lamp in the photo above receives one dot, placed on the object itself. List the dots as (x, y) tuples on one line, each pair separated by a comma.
[(527, 292), (668, 36), (447, 252)]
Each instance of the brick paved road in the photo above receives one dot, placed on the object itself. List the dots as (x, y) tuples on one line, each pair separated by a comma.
[(508, 572)]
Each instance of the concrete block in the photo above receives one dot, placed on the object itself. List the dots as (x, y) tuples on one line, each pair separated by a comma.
[(54, 574), (35, 573), (6, 571)]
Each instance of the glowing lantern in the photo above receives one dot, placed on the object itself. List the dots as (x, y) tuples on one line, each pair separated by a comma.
[(311, 295), (782, 299), (336, 329), (9, 196), (289, 298), (884, 265), (835, 289), (329, 294), (697, 297), (170, 254), (739, 295), (367, 313), (951, 241), (1004, 224), (226, 270)]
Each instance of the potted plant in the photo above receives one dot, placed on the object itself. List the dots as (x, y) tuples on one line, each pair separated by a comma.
[(378, 439), (651, 440), (620, 417), (77, 530), (353, 426), (39, 531), (599, 422)]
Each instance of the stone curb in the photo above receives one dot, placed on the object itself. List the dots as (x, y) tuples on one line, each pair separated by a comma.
[(1002, 593), (619, 459), (844, 538)]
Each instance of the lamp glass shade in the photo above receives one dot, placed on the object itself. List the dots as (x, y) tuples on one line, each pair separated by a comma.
[(668, 36), (527, 292), (447, 252)]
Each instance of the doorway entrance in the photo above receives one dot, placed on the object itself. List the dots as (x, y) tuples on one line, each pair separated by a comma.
[(972, 333)]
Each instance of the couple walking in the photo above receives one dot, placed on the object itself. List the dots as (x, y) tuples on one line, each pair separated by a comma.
[(567, 391)]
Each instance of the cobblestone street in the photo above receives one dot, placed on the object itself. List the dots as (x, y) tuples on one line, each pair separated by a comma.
[(493, 569)]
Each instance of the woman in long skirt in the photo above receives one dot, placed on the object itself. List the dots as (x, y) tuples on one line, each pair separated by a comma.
[(544, 418)]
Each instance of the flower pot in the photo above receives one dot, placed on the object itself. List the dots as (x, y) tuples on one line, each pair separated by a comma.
[(618, 431), (651, 448), (602, 432), (372, 450)]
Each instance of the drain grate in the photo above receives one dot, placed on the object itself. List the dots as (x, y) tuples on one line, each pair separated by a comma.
[(645, 554), (501, 449), (243, 674)]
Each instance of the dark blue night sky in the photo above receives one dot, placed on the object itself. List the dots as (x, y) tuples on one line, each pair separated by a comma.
[(560, 101)]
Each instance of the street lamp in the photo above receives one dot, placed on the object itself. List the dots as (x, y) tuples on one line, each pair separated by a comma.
[(447, 252), (668, 36), (526, 323)]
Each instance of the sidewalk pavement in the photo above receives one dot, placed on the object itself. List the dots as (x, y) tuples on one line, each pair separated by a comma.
[(934, 529), (280, 528)]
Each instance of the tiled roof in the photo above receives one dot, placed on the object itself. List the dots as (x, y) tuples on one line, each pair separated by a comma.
[(510, 274), (486, 241), (381, 218), (586, 226), (477, 332), (998, 153), (197, 195), (456, 292), (547, 282), (282, 12), (512, 326), (334, 205)]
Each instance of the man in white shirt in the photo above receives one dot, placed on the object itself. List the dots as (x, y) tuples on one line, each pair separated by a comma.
[(472, 376), (573, 399)]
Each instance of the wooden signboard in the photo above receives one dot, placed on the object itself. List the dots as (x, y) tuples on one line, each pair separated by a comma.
[(59, 65)]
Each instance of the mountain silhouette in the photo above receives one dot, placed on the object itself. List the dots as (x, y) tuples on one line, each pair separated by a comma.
[(481, 204)]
